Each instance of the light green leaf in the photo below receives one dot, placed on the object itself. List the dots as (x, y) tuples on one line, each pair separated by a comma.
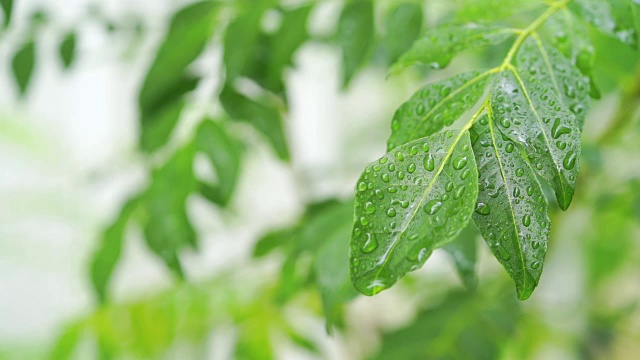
[(493, 10), (7, 8), (548, 66), (463, 250), (512, 211), (23, 64), (529, 113), (355, 36), (435, 106), (611, 17), (67, 49), (67, 342), (263, 116), (108, 254), (440, 45), (413, 200), (403, 25), (224, 153), (275, 239), (168, 80)]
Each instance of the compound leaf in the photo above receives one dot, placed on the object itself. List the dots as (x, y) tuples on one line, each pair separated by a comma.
[(435, 106), (413, 200), (440, 45), (512, 211)]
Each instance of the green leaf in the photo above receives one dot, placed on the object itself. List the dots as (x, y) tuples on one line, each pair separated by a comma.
[(67, 49), (274, 240), (493, 10), (355, 36), (413, 200), (23, 64), (67, 342), (438, 47), (403, 25), (7, 8), (512, 211), (611, 17), (167, 227), (263, 116), (529, 113), (168, 79), (224, 153), (463, 250), (240, 40), (435, 106), (108, 254), (548, 66)]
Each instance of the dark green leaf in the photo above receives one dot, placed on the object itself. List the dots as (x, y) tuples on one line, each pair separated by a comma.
[(240, 41), (438, 47), (23, 64), (7, 8), (168, 80), (223, 152), (263, 116), (435, 106), (107, 255), (512, 211), (529, 113), (403, 26), (355, 36), (463, 250), (67, 49), (415, 199)]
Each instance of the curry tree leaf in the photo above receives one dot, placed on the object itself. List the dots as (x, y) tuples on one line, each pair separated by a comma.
[(512, 211), (263, 116), (528, 112), (167, 227), (438, 47), (611, 17), (23, 64), (548, 66), (413, 200), (463, 250), (7, 8), (403, 24), (224, 153), (168, 79), (108, 254), (67, 49), (435, 106), (355, 36)]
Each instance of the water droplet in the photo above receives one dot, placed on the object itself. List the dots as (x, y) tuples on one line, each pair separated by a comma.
[(459, 163), (561, 145), (570, 160), (400, 156), (383, 160), (357, 231), (535, 245), (385, 177), (414, 237), (400, 175), (505, 122), (379, 194), (429, 163), (392, 167), (465, 174), (369, 208), (392, 190), (420, 109), (519, 172), (483, 209), (413, 150), (526, 220), (370, 245), (362, 186), (391, 212), (509, 148), (449, 186), (459, 192), (516, 192), (426, 147), (535, 265), (503, 253), (404, 204), (558, 129), (433, 206), (364, 221), (530, 190), (411, 168)]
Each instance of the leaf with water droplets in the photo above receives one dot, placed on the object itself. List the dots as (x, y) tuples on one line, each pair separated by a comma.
[(546, 65), (435, 106), (438, 47), (529, 113), (401, 216), (512, 212), (611, 17)]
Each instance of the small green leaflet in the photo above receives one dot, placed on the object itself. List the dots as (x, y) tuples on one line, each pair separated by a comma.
[(529, 113), (224, 153), (23, 64), (67, 49), (355, 36), (413, 200), (435, 106), (512, 211), (403, 25), (438, 47)]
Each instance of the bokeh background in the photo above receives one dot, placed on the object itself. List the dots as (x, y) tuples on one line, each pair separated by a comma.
[(70, 158)]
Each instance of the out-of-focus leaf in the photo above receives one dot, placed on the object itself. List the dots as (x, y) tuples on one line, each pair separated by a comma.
[(223, 152), (23, 64), (435, 106), (254, 341), (167, 227), (67, 342), (439, 46), (160, 99), (67, 49), (493, 10), (275, 239), (403, 25), (263, 116), (106, 257), (463, 326), (611, 17), (463, 251), (410, 202), (240, 40), (355, 36), (7, 8), (512, 211)]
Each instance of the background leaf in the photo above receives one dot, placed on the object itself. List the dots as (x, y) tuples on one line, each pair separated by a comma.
[(403, 25), (464, 253), (23, 64), (7, 9), (67, 49), (355, 36)]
